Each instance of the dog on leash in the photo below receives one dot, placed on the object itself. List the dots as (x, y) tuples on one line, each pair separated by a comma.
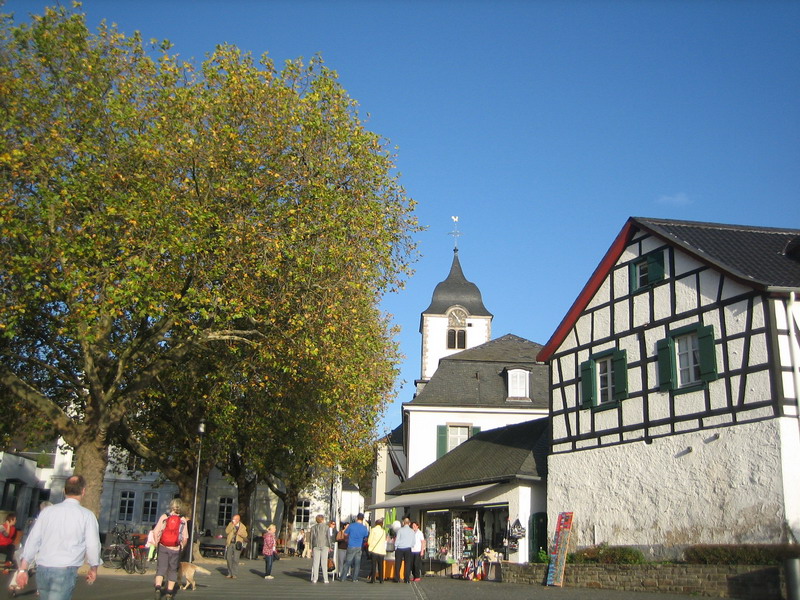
[(186, 571)]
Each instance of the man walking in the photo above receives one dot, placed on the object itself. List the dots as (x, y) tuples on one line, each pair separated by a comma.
[(356, 533), (63, 537), (237, 537)]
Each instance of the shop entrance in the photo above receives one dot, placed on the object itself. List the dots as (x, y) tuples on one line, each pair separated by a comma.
[(463, 534)]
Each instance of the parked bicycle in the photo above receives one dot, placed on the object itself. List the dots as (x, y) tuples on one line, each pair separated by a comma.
[(123, 552)]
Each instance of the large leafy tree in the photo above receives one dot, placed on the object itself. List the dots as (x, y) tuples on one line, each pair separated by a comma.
[(153, 214)]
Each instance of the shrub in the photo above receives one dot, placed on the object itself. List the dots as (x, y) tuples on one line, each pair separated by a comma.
[(741, 554), (608, 555)]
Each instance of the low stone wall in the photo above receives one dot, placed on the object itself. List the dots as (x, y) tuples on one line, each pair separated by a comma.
[(746, 582)]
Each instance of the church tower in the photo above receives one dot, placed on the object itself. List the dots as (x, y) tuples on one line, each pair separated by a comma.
[(455, 320)]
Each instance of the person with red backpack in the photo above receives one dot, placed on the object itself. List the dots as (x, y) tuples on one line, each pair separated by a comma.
[(8, 539), (170, 535)]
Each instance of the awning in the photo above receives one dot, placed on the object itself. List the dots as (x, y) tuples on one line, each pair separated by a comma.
[(441, 498)]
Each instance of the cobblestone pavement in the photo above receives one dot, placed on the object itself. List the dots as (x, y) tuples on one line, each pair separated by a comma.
[(292, 580)]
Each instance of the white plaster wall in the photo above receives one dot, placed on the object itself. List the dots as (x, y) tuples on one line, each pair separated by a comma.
[(422, 426), (790, 453), (680, 490), (651, 243), (385, 478), (434, 339), (601, 296), (684, 263)]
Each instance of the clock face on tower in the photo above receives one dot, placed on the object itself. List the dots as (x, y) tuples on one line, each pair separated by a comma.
[(458, 317)]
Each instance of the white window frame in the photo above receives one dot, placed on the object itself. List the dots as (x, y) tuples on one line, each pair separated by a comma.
[(604, 371), (150, 507), (457, 435), (225, 511), (687, 359), (302, 514), (518, 383), (127, 503)]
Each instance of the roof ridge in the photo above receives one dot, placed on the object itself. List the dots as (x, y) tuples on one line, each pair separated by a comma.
[(714, 225)]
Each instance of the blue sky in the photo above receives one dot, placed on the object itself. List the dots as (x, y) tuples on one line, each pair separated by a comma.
[(543, 125)]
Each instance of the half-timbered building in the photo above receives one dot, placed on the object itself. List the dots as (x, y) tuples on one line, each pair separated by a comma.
[(674, 390)]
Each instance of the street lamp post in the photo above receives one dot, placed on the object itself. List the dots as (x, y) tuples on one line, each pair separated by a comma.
[(201, 429)]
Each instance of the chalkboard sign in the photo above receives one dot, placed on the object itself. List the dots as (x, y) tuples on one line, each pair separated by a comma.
[(558, 553)]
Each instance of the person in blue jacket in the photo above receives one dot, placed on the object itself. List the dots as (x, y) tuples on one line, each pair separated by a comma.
[(356, 534)]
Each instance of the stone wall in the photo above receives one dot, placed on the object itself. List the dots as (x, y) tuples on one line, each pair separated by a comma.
[(746, 582)]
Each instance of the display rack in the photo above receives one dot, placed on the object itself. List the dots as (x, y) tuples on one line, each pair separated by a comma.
[(457, 539)]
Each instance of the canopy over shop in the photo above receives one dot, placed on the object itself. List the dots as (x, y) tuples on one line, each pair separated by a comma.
[(486, 494)]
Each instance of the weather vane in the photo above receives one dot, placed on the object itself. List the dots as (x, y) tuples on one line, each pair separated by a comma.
[(455, 233)]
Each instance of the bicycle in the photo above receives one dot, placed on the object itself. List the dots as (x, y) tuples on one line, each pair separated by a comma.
[(123, 552), (115, 554), (135, 561)]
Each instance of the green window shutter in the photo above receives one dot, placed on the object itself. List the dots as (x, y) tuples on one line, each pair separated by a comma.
[(666, 370), (708, 353), (620, 360), (476, 430), (655, 267), (633, 277), (441, 441), (587, 384)]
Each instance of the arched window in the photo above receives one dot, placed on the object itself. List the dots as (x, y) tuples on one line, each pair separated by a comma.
[(456, 339), (457, 334)]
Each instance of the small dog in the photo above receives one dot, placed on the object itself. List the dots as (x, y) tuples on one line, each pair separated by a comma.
[(186, 571)]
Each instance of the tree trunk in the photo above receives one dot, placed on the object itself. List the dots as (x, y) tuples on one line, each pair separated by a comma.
[(91, 459), (246, 486), (289, 508), (186, 490)]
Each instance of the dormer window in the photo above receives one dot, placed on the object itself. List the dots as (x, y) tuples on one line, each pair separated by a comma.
[(518, 383), (456, 332)]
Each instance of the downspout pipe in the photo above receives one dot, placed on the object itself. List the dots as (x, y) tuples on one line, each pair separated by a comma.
[(794, 340)]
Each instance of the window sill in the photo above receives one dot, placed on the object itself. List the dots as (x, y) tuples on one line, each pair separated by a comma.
[(518, 399), (605, 406), (695, 387)]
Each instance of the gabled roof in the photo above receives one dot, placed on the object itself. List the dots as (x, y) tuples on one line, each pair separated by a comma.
[(456, 290), (765, 258), (476, 377), (513, 452)]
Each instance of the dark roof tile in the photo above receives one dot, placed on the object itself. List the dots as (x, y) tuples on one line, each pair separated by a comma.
[(476, 377), (492, 456), (755, 254)]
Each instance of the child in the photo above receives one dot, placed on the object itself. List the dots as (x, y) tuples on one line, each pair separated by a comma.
[(151, 546)]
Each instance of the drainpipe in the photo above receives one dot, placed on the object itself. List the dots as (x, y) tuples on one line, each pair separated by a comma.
[(794, 338), (792, 565)]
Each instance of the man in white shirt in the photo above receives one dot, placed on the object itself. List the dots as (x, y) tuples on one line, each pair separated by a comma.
[(416, 552), (64, 537)]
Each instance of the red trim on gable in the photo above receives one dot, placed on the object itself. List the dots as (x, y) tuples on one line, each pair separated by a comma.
[(588, 291)]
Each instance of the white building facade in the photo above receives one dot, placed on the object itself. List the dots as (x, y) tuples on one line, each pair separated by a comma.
[(674, 391)]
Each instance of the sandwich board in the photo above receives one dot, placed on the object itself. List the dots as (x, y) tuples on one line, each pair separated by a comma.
[(558, 553)]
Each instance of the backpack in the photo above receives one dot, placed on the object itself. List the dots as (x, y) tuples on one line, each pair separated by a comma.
[(171, 536)]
